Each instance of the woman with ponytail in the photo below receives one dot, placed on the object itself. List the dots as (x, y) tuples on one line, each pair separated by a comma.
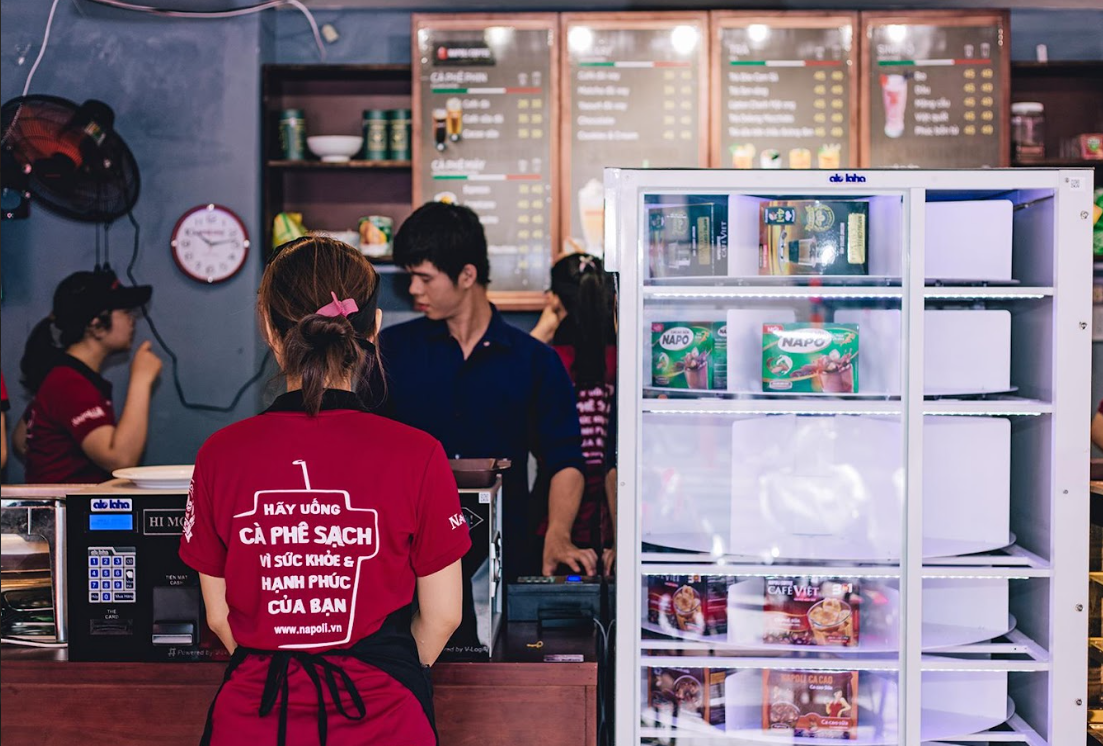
[(69, 433), (578, 322), (314, 525)]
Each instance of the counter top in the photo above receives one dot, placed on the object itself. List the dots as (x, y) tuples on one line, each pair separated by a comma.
[(515, 698)]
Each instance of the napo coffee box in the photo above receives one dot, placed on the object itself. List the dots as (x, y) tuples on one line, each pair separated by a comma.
[(689, 355), (810, 358)]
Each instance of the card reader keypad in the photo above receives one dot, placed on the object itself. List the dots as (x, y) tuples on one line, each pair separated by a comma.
[(112, 575)]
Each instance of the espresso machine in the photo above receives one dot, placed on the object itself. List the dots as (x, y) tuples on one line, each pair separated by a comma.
[(131, 597)]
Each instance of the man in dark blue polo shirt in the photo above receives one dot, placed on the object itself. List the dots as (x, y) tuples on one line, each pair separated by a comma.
[(482, 387)]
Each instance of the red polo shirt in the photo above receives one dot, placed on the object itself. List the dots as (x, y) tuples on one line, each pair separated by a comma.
[(321, 526), (72, 401)]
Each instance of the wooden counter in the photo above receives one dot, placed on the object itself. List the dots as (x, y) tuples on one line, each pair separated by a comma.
[(514, 699)]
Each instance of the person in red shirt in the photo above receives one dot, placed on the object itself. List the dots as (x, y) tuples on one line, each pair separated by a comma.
[(315, 525), (578, 322), (69, 433)]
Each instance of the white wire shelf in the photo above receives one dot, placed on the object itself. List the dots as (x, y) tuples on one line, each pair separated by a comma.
[(1015, 730), (1012, 562), (766, 292), (986, 293), (712, 403)]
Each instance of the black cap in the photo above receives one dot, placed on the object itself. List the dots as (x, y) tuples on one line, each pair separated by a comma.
[(82, 296)]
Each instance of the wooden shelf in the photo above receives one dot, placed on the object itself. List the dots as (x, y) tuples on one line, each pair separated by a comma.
[(353, 165)]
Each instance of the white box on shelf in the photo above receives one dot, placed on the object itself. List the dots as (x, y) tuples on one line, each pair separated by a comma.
[(968, 240), (966, 351)]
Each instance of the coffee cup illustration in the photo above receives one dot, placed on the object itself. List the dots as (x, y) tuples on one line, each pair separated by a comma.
[(686, 603), (696, 370), (832, 622)]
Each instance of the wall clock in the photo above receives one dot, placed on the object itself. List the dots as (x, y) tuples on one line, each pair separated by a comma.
[(210, 243)]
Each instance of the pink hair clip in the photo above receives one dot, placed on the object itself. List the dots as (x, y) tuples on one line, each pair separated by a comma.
[(585, 262), (338, 307)]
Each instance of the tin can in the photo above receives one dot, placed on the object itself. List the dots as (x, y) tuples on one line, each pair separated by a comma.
[(375, 134), (375, 235), (292, 135), (399, 134)]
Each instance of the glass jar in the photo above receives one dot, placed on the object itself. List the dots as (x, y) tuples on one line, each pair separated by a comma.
[(1028, 131)]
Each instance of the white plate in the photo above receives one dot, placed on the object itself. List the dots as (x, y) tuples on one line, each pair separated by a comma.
[(157, 477)]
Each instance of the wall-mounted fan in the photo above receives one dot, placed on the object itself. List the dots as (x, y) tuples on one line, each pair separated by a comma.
[(66, 156)]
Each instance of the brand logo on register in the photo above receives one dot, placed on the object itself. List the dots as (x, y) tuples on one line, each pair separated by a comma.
[(847, 179), (112, 505)]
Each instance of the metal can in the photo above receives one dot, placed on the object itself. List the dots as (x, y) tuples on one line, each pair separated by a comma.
[(375, 235), (375, 134), (292, 135), (399, 140)]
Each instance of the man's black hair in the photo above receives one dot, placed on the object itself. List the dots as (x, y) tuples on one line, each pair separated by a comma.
[(447, 236)]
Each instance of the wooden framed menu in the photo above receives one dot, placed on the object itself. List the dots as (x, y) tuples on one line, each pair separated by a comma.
[(635, 94), (485, 135), (784, 90), (935, 89)]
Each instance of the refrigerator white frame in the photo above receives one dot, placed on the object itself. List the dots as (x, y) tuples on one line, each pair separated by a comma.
[(1069, 411)]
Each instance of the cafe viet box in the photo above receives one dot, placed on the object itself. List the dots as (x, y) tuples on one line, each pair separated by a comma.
[(688, 693), (810, 704), (687, 235), (693, 604), (811, 611)]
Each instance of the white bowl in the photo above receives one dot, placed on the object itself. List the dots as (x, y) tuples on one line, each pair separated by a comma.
[(335, 148)]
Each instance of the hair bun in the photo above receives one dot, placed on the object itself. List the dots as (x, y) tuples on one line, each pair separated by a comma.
[(324, 331)]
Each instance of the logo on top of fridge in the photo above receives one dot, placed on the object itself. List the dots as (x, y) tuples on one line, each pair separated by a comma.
[(847, 179)]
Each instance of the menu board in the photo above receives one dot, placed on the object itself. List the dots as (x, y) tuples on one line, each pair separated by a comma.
[(782, 91), (935, 90), (485, 136), (636, 93)]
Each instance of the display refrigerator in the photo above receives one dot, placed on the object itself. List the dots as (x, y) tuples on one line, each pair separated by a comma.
[(853, 455)]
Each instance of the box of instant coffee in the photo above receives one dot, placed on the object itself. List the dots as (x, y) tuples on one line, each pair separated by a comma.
[(687, 235), (814, 237)]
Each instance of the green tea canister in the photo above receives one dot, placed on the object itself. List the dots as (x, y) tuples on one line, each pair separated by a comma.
[(375, 134), (399, 138), (292, 135)]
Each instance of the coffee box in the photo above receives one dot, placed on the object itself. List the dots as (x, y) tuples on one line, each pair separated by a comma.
[(811, 611), (687, 693), (689, 355), (810, 704), (685, 605), (687, 235), (813, 237), (810, 358)]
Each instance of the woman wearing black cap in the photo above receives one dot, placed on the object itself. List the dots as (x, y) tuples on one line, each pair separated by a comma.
[(69, 433)]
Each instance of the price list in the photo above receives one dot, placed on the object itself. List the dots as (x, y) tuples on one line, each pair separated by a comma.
[(936, 96), (785, 96), (485, 101), (635, 102)]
